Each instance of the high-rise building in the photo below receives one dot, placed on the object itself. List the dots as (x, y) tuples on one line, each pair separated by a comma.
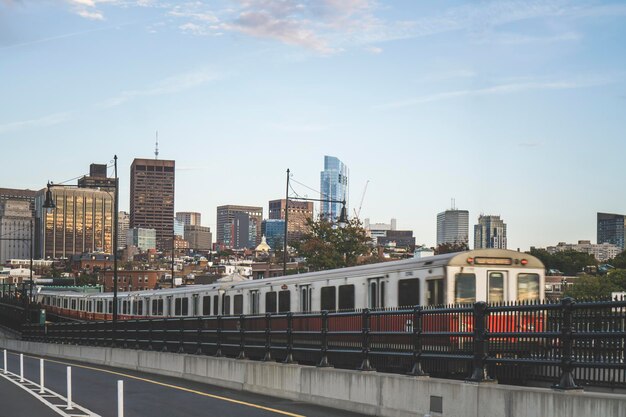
[(274, 232), (225, 215), (142, 238), (333, 186), (123, 223), (16, 229), (189, 218), (377, 230), (237, 231), (97, 178), (611, 229), (179, 228), (452, 227), (199, 237), (82, 221), (490, 233), (18, 194), (152, 196), (299, 213)]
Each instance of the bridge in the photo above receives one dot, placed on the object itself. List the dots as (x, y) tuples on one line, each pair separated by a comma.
[(560, 348)]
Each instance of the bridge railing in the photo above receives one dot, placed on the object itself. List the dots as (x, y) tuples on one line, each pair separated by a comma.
[(567, 344)]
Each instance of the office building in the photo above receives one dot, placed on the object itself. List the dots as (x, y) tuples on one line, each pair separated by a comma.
[(142, 238), (16, 230), (225, 216), (299, 213), (333, 186), (189, 218), (199, 237), (237, 233), (490, 233), (611, 229), (97, 178), (19, 194), (82, 221), (452, 226), (179, 228), (274, 232), (376, 230), (152, 183), (399, 238), (123, 223)]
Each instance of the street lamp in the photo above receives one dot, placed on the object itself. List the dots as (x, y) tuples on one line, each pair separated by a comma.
[(49, 205), (342, 221)]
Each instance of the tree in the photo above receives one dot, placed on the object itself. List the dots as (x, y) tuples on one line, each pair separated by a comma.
[(619, 261), (569, 262), (326, 246), (456, 246)]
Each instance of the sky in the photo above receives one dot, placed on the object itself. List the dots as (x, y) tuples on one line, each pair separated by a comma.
[(513, 108)]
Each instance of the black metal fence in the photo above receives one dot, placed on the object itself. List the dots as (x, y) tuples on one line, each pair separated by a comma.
[(565, 344)]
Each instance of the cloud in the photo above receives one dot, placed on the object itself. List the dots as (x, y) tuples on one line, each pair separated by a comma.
[(49, 120), (500, 89), (86, 9), (374, 50), (170, 85)]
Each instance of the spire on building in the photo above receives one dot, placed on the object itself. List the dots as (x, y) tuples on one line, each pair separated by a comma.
[(156, 148)]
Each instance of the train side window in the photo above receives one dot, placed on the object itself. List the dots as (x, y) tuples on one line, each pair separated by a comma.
[(226, 306), (346, 297), (139, 307), (408, 292), (216, 305), (81, 305), (160, 307), (434, 297), (73, 304), (206, 305), (110, 307), (185, 309), (465, 288), (527, 287), (177, 306), (496, 287), (328, 298), (373, 295), (238, 304), (254, 302), (270, 302), (381, 301), (284, 301), (155, 308)]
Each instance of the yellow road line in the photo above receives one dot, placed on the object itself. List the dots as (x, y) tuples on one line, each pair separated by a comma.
[(150, 381)]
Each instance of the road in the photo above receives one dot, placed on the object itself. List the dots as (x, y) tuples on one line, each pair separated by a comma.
[(95, 388)]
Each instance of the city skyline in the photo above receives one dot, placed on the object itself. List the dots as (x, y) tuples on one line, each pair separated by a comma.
[(505, 106)]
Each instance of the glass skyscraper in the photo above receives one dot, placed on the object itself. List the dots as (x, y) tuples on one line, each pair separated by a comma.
[(333, 186)]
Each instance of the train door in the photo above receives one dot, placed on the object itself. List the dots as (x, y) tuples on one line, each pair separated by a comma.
[(376, 292), (168, 306), (497, 286), (305, 298), (435, 292)]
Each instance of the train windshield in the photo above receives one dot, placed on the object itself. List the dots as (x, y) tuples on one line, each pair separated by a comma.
[(465, 288), (527, 287), (496, 287)]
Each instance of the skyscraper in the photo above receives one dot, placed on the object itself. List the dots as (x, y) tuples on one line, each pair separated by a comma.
[(152, 196), (189, 218), (611, 229), (123, 223), (16, 226), (452, 226), (225, 215), (299, 212), (333, 186), (490, 233)]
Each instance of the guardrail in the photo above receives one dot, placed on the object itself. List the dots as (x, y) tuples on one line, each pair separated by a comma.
[(568, 344)]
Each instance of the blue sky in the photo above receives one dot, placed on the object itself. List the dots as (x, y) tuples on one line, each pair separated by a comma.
[(515, 108)]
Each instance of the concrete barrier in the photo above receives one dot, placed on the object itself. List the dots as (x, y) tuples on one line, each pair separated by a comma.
[(364, 392)]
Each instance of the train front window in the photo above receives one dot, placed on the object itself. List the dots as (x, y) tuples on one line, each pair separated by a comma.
[(408, 292), (496, 287), (435, 292), (527, 287), (465, 288)]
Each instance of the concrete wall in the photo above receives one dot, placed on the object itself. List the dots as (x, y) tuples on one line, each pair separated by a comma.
[(365, 392)]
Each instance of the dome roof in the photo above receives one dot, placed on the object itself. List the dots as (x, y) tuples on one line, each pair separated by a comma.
[(263, 246)]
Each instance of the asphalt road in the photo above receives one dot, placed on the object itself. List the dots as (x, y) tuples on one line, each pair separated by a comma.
[(14, 401), (95, 388)]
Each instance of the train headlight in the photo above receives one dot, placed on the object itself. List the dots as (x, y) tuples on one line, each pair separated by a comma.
[(524, 261)]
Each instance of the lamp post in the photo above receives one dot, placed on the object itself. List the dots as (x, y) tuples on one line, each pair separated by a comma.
[(49, 205), (341, 221)]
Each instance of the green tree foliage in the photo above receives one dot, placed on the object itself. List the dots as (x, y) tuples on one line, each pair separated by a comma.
[(87, 279), (594, 286), (569, 262), (326, 246), (451, 247), (619, 261)]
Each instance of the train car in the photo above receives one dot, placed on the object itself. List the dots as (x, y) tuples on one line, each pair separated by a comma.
[(491, 275)]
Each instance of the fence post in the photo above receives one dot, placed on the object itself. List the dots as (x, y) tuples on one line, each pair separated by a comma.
[(181, 336), (566, 381), (41, 377), (137, 334), (289, 356), (324, 348), (164, 330), (365, 342), (481, 344), (242, 337), (21, 367), (149, 334), (199, 336), (218, 353), (417, 327), (5, 362), (268, 337)]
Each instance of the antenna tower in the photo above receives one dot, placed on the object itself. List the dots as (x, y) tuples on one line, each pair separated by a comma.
[(156, 148)]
